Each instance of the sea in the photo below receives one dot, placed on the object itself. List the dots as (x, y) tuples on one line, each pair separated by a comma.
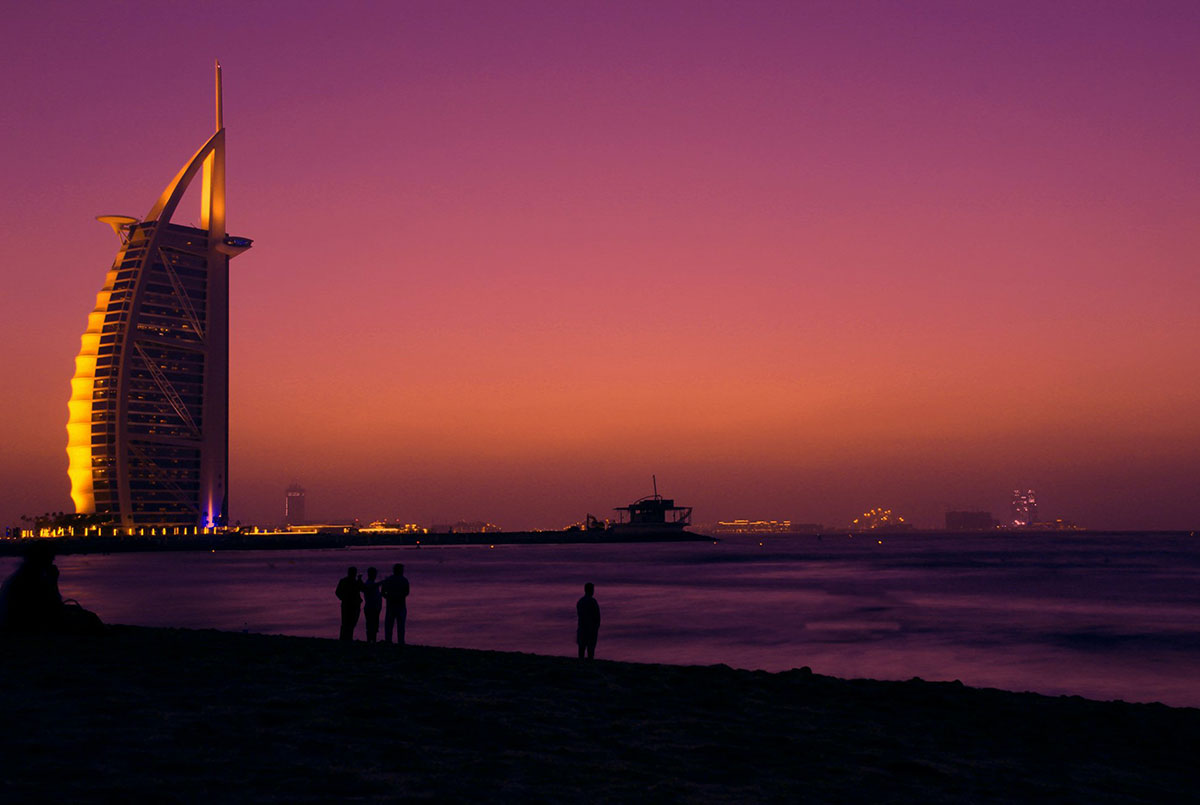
[(1099, 616)]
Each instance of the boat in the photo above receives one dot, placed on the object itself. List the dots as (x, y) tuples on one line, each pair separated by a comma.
[(651, 516)]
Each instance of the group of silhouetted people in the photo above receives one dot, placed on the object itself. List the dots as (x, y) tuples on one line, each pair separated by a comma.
[(31, 602), (368, 598)]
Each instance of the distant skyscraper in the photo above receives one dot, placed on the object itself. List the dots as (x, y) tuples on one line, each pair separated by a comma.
[(969, 521), (1024, 508), (293, 505), (148, 436)]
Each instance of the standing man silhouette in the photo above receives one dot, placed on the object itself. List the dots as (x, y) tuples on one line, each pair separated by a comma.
[(349, 592), (589, 622), (395, 592), (372, 603)]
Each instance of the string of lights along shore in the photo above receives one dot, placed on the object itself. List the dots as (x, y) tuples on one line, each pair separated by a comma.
[(148, 434)]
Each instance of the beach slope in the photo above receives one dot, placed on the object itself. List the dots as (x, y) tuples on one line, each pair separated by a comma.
[(200, 716)]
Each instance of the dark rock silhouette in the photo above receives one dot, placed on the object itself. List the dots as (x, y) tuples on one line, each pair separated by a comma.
[(395, 592), (589, 622), (30, 600), (372, 604), (349, 592)]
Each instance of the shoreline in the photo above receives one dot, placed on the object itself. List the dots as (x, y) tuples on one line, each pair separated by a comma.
[(331, 539), (187, 716), (339, 538)]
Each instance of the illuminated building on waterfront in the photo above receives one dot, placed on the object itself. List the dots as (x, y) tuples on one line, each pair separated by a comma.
[(148, 435), (746, 526), (879, 519), (1024, 507)]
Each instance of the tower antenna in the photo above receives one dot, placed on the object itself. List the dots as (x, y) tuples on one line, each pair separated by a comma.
[(220, 123), (654, 480), (212, 193)]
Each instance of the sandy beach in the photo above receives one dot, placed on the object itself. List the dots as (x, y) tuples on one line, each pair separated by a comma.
[(194, 716)]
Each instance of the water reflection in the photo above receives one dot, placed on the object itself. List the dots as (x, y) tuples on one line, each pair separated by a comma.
[(1112, 617)]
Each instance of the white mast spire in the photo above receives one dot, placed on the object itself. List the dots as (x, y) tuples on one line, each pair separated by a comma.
[(220, 122), (212, 192)]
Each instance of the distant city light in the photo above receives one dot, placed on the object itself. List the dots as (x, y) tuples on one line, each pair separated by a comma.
[(879, 518)]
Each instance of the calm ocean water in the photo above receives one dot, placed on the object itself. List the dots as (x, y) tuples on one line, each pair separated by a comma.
[(1103, 617)]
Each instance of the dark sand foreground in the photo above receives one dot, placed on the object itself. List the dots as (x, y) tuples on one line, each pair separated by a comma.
[(197, 716)]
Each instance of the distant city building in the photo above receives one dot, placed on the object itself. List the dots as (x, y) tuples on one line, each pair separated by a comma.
[(1024, 508), (752, 526), (465, 527), (390, 527), (1057, 524), (763, 527), (148, 433), (969, 521), (880, 519), (293, 506)]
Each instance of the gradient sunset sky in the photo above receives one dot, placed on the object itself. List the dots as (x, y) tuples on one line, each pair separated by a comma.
[(797, 259)]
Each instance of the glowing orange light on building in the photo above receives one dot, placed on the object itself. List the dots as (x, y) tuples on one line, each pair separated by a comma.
[(79, 421)]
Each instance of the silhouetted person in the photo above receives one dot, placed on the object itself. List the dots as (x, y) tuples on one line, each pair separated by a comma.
[(372, 604), (589, 622), (349, 592), (395, 591)]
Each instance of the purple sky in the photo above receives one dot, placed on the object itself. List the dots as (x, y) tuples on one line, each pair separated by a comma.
[(799, 260)]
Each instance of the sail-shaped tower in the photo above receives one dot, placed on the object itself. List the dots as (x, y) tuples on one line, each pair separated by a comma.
[(148, 434)]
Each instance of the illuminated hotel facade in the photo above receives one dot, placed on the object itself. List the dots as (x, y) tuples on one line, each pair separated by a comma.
[(148, 434)]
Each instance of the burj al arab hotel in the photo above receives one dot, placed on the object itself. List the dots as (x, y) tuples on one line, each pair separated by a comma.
[(148, 435)]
